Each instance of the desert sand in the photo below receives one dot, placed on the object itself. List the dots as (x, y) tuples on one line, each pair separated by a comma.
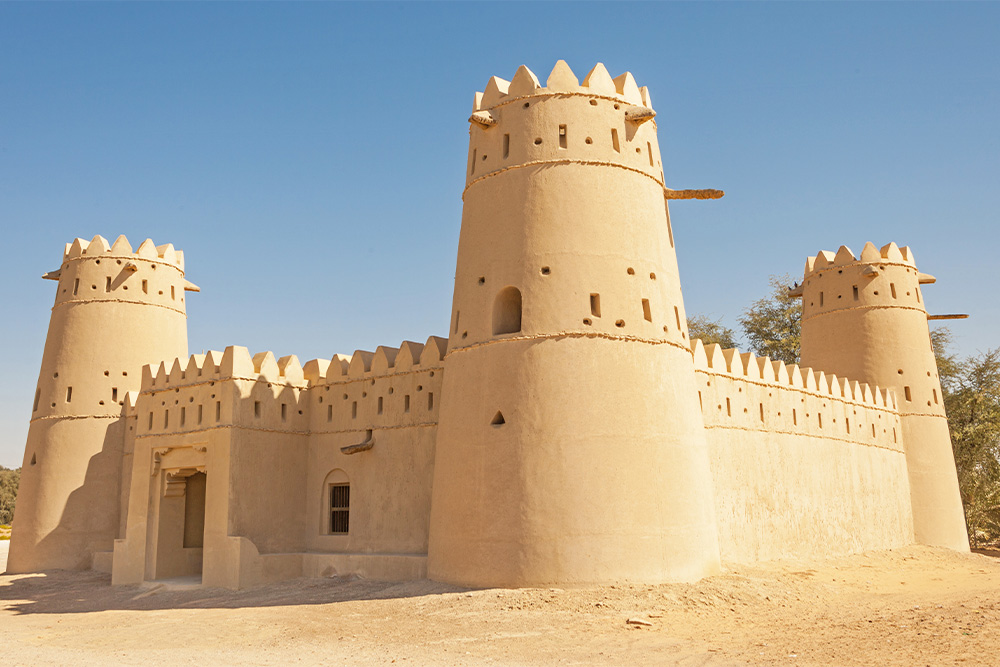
[(912, 606)]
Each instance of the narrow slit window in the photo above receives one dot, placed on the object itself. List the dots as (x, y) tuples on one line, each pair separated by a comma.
[(506, 146), (107, 284), (38, 395), (762, 413), (892, 288), (457, 313), (562, 136), (76, 286), (69, 394), (729, 408), (894, 434), (256, 409), (430, 400), (848, 422), (218, 410), (701, 403), (166, 418), (380, 405), (201, 412), (649, 149), (795, 417), (934, 391), (472, 165), (183, 416), (820, 417), (670, 229), (918, 295), (329, 413), (150, 427), (855, 292), (145, 287), (677, 317), (646, 314), (873, 430), (406, 403), (906, 391), (354, 410), (614, 140), (821, 299), (284, 411), (340, 509), (595, 305), (114, 394), (172, 291)]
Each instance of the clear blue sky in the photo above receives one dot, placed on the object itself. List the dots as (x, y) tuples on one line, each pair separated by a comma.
[(309, 158)]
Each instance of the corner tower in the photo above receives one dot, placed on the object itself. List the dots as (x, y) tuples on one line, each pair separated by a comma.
[(570, 445), (115, 311), (864, 318)]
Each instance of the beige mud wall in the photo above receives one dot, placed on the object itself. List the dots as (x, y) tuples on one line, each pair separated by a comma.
[(804, 465), (115, 310), (388, 399)]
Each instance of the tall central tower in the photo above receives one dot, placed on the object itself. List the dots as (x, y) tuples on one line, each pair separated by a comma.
[(570, 444)]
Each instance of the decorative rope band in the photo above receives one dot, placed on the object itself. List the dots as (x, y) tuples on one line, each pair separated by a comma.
[(589, 163), (873, 307), (140, 303), (573, 334)]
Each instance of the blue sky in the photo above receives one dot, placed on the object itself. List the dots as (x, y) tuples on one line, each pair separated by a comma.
[(309, 158)]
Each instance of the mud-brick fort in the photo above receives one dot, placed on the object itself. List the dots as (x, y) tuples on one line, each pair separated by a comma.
[(566, 431)]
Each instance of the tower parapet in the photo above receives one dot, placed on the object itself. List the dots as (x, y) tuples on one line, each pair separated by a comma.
[(864, 317), (115, 311)]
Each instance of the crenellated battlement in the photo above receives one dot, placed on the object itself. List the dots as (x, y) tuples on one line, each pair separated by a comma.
[(602, 122), (235, 363), (561, 81), (887, 254), (746, 365), (98, 247), (384, 361)]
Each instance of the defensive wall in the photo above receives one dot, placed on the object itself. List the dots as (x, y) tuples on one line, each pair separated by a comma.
[(803, 463)]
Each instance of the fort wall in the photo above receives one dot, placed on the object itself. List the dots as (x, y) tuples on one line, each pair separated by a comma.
[(803, 464)]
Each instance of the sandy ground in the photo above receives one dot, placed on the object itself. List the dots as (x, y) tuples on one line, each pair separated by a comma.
[(914, 606)]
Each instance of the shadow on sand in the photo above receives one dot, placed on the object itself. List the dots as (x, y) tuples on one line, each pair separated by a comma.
[(68, 592)]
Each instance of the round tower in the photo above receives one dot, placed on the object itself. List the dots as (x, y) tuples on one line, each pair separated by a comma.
[(115, 311), (570, 445), (864, 319)]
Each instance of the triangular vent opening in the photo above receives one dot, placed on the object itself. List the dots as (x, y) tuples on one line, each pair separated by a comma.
[(498, 419), (33, 460)]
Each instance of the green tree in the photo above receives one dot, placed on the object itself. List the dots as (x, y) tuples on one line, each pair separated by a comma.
[(772, 325), (711, 331), (971, 390), (9, 481)]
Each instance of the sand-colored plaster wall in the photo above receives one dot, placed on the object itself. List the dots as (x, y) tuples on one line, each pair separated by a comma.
[(803, 464)]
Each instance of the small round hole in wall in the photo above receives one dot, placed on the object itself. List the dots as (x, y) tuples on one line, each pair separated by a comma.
[(53, 405), (617, 106), (345, 397), (465, 334), (527, 104), (900, 371), (589, 140), (191, 400), (482, 280), (652, 276), (100, 402), (95, 287), (876, 293), (420, 387), (638, 150), (587, 321), (620, 323), (432, 373), (538, 141), (391, 390), (97, 261), (124, 372), (364, 394), (372, 381), (484, 157), (665, 328), (126, 287), (119, 261), (593, 103), (546, 270), (106, 373), (630, 271)]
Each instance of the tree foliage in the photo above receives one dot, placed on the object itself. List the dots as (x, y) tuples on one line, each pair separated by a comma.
[(772, 324), (711, 331), (9, 481), (971, 390)]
